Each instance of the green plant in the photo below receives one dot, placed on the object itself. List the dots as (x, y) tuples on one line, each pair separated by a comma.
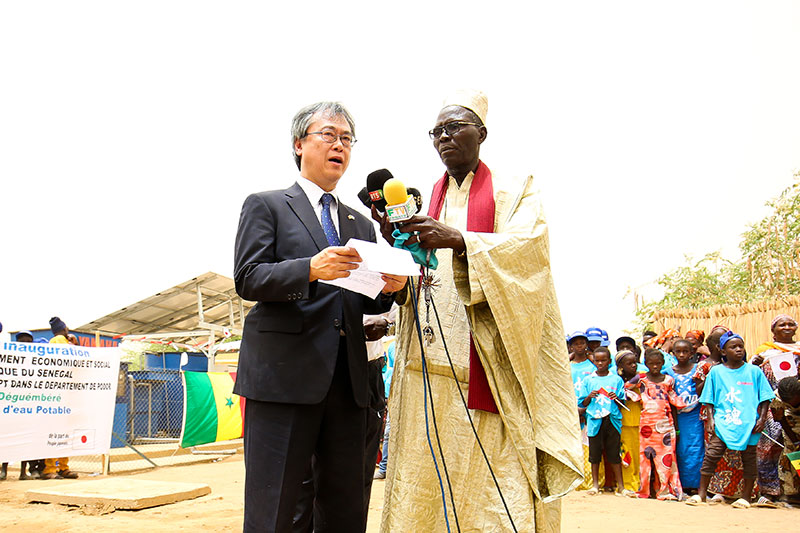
[(769, 266)]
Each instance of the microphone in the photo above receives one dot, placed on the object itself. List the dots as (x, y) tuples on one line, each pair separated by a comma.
[(363, 195), (417, 197), (375, 182), (402, 206), (399, 204)]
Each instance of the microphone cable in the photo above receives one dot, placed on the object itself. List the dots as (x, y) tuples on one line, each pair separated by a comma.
[(469, 417), (427, 391)]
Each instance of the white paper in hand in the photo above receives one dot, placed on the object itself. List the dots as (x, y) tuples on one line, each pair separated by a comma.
[(360, 280), (384, 258), (376, 259)]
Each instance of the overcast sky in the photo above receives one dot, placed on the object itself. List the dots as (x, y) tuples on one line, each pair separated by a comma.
[(130, 133)]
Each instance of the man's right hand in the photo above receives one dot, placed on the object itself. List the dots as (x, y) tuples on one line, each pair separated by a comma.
[(333, 262)]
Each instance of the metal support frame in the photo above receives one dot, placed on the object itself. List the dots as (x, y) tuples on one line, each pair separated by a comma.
[(200, 316), (129, 445), (170, 335)]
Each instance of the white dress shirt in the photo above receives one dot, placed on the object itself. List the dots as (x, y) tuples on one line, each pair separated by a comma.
[(314, 194)]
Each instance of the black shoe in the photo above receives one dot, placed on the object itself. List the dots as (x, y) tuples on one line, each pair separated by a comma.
[(67, 474)]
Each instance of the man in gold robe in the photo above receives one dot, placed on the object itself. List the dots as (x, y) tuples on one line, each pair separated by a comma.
[(494, 295)]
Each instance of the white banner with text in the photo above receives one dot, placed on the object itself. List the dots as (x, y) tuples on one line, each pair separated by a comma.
[(56, 400)]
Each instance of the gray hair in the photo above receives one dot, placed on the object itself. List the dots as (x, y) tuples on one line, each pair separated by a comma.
[(302, 120)]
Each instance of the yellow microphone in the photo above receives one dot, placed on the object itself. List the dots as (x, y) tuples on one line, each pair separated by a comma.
[(399, 204)]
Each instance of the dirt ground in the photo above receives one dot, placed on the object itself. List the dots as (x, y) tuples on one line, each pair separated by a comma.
[(222, 509)]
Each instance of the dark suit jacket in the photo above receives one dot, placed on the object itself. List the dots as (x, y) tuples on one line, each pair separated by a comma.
[(291, 336)]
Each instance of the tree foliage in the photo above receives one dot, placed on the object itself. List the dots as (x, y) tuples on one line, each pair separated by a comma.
[(769, 266)]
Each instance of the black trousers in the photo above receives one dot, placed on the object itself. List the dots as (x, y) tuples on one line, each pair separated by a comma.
[(606, 441), (303, 518), (377, 406), (280, 441)]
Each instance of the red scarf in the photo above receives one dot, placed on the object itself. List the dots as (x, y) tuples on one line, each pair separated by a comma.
[(480, 218)]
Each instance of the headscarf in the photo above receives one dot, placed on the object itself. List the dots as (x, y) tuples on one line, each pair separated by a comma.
[(667, 334), (57, 325), (619, 356), (696, 334), (780, 317)]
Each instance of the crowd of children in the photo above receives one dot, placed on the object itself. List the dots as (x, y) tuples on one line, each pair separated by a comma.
[(688, 415)]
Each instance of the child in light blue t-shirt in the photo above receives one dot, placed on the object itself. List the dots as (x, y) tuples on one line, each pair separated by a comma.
[(737, 396), (601, 394), (580, 366)]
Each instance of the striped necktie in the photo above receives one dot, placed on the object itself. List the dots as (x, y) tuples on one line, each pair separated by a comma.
[(327, 221)]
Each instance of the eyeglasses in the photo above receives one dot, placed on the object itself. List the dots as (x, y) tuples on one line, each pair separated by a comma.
[(451, 128), (348, 139)]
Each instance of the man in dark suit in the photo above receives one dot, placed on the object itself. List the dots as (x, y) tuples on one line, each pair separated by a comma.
[(303, 361), (375, 328)]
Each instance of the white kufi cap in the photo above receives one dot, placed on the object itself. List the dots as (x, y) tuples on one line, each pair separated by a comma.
[(472, 99)]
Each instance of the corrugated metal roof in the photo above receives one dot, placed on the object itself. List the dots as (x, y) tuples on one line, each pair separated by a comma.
[(176, 310)]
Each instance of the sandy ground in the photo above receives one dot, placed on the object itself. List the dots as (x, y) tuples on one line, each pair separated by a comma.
[(222, 509)]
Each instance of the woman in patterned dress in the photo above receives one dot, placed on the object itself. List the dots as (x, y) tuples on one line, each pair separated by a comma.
[(786, 411), (769, 452)]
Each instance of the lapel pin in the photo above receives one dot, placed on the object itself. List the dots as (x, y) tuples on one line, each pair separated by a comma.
[(350, 217)]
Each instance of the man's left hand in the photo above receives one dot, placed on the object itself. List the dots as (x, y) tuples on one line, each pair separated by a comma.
[(433, 234), (393, 283)]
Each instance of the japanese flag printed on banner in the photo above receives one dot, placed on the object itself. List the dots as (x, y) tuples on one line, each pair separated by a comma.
[(783, 365), (83, 439)]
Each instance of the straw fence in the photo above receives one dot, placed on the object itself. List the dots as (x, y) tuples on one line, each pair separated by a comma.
[(750, 320)]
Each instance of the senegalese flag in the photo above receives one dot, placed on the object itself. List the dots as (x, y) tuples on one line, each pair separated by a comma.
[(625, 456), (794, 457), (211, 411)]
